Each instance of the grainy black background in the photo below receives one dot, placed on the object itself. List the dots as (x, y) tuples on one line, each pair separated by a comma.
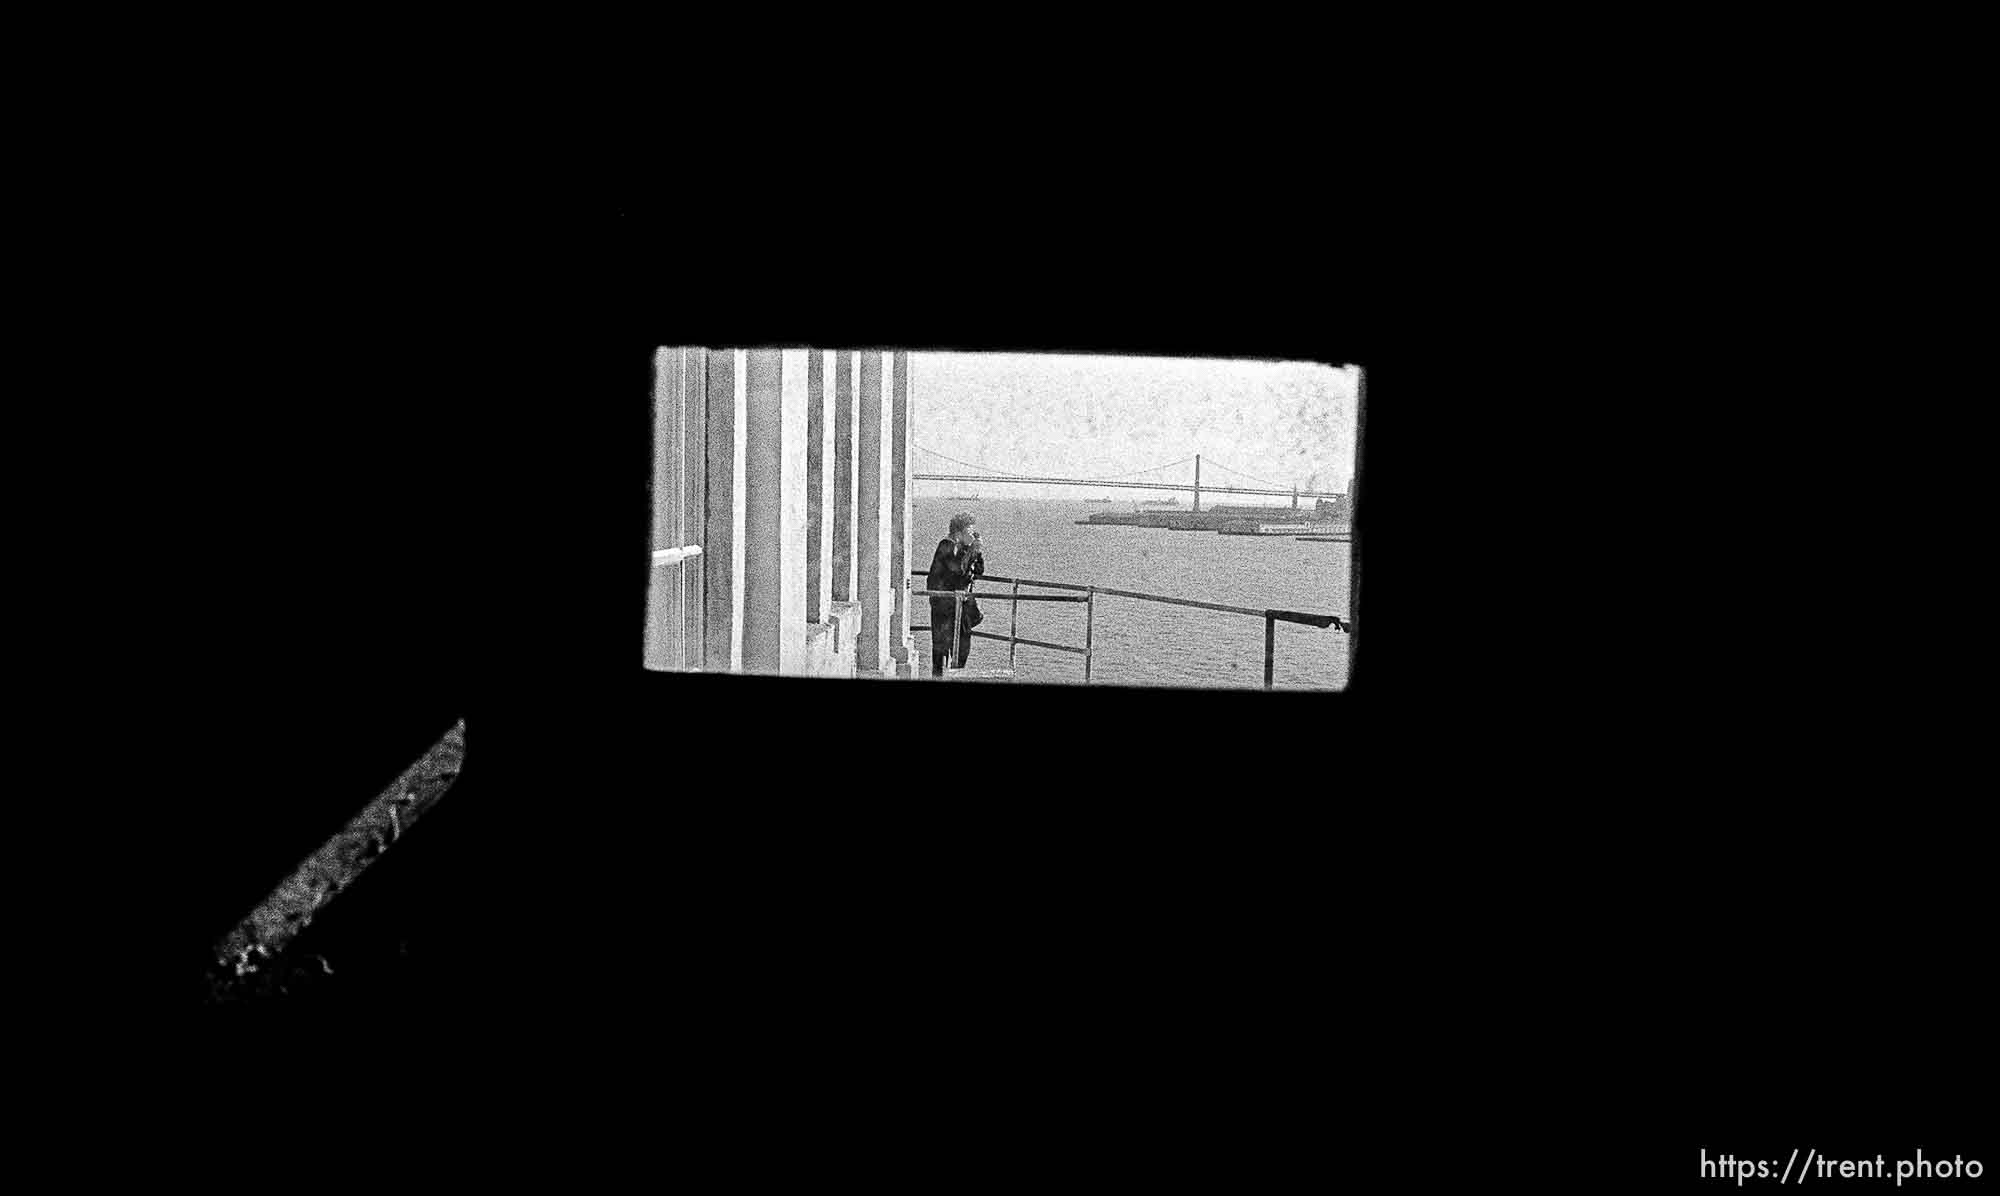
[(1608, 903)]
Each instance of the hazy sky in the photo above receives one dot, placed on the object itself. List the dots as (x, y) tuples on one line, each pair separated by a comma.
[(1085, 416)]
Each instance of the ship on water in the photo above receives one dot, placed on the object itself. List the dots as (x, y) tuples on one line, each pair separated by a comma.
[(1160, 502)]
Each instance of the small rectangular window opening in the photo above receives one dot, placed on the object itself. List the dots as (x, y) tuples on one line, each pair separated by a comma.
[(1042, 518)]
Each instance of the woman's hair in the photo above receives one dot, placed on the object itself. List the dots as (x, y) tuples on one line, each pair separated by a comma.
[(961, 521)]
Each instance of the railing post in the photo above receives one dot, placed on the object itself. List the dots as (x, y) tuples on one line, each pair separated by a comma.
[(1270, 645), (1089, 617), (1013, 625), (957, 628)]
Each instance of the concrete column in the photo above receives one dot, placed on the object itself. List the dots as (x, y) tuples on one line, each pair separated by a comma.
[(722, 533), (738, 509), (899, 504), (824, 493), (694, 436), (1353, 508), (817, 566), (774, 503), (844, 446), (871, 516), (664, 623)]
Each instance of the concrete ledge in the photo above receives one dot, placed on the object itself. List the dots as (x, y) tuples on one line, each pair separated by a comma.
[(978, 674), (830, 642), (845, 619)]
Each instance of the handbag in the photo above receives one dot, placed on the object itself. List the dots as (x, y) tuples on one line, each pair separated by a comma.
[(972, 616)]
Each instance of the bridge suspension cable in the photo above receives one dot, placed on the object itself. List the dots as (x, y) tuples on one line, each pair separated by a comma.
[(1169, 465), (971, 464), (1246, 477), (1007, 473)]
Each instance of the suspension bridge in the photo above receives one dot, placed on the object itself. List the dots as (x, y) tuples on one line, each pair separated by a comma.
[(1136, 480)]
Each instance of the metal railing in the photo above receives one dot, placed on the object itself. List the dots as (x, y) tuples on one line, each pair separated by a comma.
[(1014, 600), (1088, 596)]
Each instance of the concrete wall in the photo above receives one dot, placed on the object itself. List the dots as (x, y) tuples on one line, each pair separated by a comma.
[(666, 586), (674, 590)]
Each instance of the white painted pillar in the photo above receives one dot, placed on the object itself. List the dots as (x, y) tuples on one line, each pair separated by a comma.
[(1353, 505), (871, 516), (845, 444), (694, 433), (774, 502), (824, 495), (737, 510), (817, 566), (722, 521), (899, 503)]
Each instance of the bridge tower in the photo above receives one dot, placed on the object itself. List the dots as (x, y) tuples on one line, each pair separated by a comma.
[(1197, 483)]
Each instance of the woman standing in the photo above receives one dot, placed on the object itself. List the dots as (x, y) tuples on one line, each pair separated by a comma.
[(954, 566)]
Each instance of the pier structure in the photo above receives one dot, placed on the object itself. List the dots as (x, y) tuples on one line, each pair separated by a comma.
[(781, 512)]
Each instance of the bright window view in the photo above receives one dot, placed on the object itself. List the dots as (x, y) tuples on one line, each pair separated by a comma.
[(1024, 518)]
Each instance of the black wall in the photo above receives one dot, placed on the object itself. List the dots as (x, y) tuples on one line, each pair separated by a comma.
[(424, 498), (419, 494)]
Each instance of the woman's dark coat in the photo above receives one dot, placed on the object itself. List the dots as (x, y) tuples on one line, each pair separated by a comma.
[(952, 568)]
